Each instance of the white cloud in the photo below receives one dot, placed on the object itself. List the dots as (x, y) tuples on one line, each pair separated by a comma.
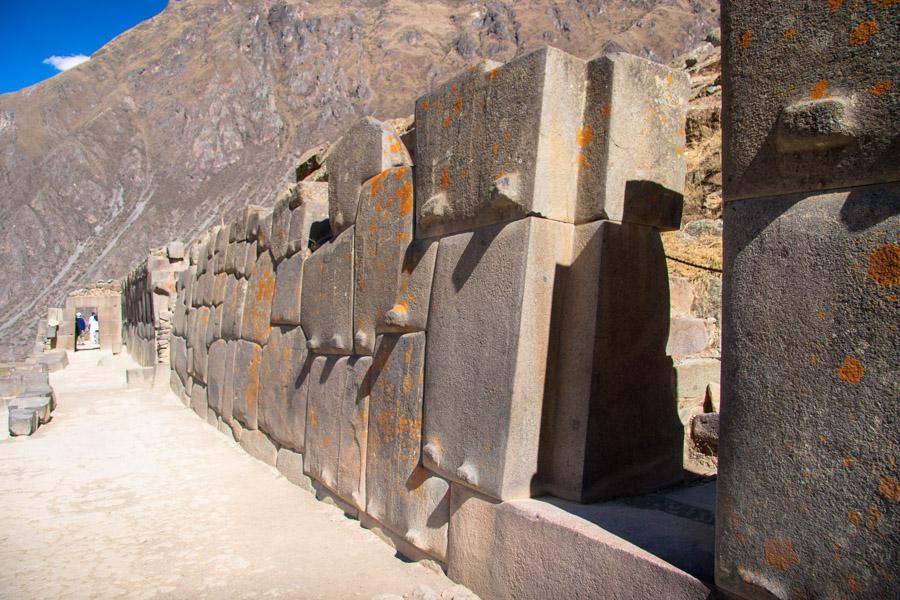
[(64, 63)]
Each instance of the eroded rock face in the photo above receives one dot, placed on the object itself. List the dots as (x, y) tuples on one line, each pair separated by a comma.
[(189, 133)]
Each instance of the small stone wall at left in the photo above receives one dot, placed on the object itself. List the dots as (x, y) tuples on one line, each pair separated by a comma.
[(25, 393)]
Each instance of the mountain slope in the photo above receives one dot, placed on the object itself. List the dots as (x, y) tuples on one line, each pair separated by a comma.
[(204, 108)]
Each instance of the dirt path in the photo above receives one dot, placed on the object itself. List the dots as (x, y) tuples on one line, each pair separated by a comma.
[(126, 493)]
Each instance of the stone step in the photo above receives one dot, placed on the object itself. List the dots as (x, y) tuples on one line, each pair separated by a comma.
[(42, 404), (22, 421), (657, 545), (140, 376)]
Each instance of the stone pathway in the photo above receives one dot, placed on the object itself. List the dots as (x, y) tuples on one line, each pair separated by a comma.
[(126, 493)]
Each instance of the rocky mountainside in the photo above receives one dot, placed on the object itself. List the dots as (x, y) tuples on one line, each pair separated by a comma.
[(205, 108)]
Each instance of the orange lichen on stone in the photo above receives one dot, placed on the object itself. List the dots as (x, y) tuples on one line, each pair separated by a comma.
[(404, 194), (584, 135), (745, 39), (835, 552), (400, 172), (886, 3), (889, 488), (851, 371), (679, 150), (790, 33), (446, 122), (265, 291), (495, 149), (872, 519), (863, 32), (401, 236), (491, 74), (407, 384), (853, 585), (395, 147), (457, 104), (835, 4), (605, 111), (425, 104), (847, 461), (854, 517), (884, 265), (780, 554), (377, 181), (445, 178), (326, 441), (818, 91), (583, 161)]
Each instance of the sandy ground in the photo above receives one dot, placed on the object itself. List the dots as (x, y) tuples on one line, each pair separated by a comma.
[(128, 494)]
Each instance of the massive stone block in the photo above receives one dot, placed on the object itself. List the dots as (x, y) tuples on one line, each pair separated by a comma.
[(214, 328), (336, 425), (488, 342), (530, 549), (245, 259), (412, 295), (227, 399), (255, 323), (288, 283), (264, 231), (178, 357), (284, 374), (383, 233), (400, 493), (281, 223), (233, 308), (310, 215), (798, 119), (633, 132), (215, 385), (197, 343), (294, 214), (808, 481), (326, 307), (497, 144), (218, 293), (365, 150), (609, 423), (247, 359), (229, 258), (198, 399)]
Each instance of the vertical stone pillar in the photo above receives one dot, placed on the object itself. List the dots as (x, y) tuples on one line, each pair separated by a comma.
[(808, 479)]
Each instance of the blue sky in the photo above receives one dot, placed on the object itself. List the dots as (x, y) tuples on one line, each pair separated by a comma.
[(38, 38)]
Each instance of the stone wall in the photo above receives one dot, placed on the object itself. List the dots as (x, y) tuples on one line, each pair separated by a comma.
[(808, 484), (490, 323), (464, 339), (148, 300)]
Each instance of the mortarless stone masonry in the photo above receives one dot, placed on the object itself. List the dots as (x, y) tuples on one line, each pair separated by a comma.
[(431, 370)]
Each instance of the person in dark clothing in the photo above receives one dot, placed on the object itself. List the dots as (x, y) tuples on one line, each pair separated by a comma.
[(79, 327)]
